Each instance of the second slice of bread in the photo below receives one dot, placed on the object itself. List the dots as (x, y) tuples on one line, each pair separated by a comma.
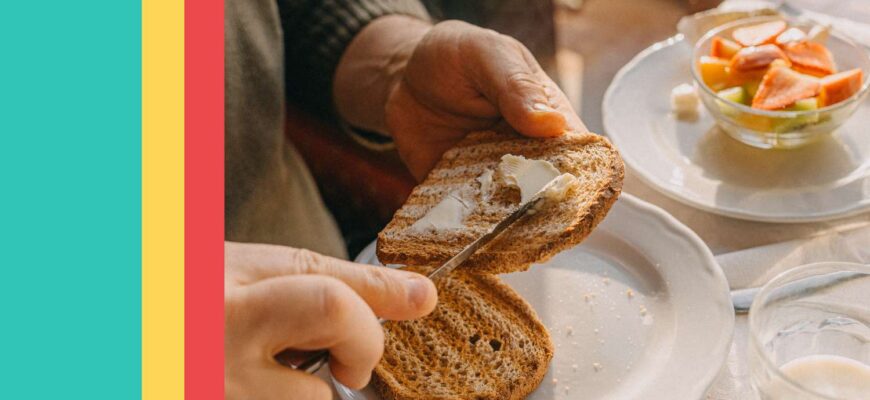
[(535, 238), (483, 341)]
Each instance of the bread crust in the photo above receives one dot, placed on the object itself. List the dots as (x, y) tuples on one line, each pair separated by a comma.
[(512, 251), (509, 319)]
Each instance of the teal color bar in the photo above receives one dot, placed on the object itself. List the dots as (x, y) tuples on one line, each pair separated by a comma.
[(70, 199)]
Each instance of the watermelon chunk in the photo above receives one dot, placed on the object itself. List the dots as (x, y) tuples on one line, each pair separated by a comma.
[(838, 87), (810, 58), (782, 87), (723, 48), (759, 34), (755, 57)]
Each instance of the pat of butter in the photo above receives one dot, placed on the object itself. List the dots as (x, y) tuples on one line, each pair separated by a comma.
[(447, 214), (558, 187), (530, 176)]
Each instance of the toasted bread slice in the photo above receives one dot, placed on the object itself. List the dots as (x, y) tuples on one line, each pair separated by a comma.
[(535, 238), (483, 341)]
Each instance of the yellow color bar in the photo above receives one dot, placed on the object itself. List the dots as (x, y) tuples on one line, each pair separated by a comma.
[(162, 199)]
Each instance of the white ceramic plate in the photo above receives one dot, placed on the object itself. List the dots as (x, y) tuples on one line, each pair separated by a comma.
[(696, 163), (668, 339)]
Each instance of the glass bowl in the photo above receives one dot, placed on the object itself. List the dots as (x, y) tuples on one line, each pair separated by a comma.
[(781, 129)]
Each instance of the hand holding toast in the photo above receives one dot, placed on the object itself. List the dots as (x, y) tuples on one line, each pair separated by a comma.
[(279, 298), (438, 83)]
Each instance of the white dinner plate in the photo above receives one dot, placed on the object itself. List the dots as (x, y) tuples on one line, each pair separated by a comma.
[(640, 310), (696, 163)]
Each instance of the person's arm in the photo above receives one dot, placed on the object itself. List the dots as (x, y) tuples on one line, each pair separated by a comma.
[(317, 33)]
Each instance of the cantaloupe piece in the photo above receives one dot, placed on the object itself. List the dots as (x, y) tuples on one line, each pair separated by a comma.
[(714, 72), (755, 57), (790, 35), (759, 34), (782, 87), (723, 48), (810, 58), (838, 87), (741, 78)]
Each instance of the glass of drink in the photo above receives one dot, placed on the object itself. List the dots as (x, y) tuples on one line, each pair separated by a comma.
[(810, 334)]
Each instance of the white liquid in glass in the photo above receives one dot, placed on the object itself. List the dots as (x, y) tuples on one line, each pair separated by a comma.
[(833, 376)]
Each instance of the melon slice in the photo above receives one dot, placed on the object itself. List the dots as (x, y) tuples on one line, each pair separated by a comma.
[(723, 48), (838, 87), (810, 58), (782, 87), (759, 34), (714, 71), (790, 35), (756, 57)]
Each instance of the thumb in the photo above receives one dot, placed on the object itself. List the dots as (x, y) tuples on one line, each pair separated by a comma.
[(510, 78), (391, 293)]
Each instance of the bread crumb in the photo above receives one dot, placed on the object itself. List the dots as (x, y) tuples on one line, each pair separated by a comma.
[(606, 281), (574, 367), (629, 293), (555, 381), (642, 309), (595, 330), (569, 331), (596, 367), (567, 388)]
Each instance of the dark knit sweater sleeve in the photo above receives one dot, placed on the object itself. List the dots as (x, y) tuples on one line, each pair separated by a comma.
[(315, 36)]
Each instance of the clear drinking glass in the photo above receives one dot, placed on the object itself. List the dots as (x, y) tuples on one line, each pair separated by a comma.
[(810, 334)]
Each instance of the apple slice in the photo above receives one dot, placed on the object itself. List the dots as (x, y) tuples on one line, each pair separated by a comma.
[(810, 58), (790, 35), (759, 34), (723, 48), (756, 57), (782, 87), (838, 87)]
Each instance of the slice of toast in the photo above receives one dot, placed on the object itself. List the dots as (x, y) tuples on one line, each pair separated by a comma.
[(482, 341), (535, 238)]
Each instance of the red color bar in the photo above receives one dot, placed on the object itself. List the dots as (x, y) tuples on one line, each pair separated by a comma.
[(204, 199)]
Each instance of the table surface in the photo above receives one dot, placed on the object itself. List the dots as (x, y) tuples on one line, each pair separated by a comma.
[(621, 29)]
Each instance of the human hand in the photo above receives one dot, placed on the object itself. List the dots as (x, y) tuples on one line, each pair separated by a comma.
[(428, 86), (463, 78), (278, 298)]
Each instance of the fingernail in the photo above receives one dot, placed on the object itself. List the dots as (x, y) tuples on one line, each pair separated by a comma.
[(418, 291), (542, 107)]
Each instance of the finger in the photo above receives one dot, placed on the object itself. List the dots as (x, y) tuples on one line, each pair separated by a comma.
[(557, 97), (310, 312), (391, 293), (274, 382), (498, 65)]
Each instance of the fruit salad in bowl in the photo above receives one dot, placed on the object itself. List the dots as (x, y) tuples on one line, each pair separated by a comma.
[(775, 84)]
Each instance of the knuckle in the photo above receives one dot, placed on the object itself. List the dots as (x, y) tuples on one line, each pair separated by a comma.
[(520, 80), (306, 259)]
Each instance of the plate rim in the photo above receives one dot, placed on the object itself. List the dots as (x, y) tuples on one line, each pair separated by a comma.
[(662, 187), (718, 352)]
